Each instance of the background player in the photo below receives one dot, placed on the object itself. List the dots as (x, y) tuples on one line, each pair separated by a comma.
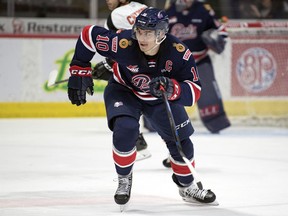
[(146, 58), (195, 24), (122, 16)]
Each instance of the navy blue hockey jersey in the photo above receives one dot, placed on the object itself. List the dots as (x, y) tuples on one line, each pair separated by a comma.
[(188, 26), (135, 70)]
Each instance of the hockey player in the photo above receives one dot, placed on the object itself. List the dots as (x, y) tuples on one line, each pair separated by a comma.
[(195, 24), (148, 60), (122, 16)]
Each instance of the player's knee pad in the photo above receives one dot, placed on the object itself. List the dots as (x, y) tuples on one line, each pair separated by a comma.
[(125, 133)]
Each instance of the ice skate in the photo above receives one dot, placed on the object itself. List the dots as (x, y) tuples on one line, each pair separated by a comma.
[(193, 194), (141, 146), (166, 162), (122, 194)]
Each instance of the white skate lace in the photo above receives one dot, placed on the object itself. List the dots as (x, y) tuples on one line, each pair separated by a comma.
[(195, 193), (123, 185)]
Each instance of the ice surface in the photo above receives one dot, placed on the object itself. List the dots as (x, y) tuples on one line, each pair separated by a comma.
[(64, 166)]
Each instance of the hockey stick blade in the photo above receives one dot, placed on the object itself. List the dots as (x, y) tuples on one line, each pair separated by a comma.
[(52, 79), (177, 138)]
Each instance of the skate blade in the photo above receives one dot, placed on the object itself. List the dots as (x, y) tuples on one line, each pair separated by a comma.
[(123, 207), (214, 203), (143, 154)]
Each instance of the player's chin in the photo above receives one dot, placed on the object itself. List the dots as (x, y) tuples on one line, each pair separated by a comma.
[(143, 48)]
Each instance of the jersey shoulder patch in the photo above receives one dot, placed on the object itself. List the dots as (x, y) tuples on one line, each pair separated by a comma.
[(209, 9), (124, 43), (179, 47)]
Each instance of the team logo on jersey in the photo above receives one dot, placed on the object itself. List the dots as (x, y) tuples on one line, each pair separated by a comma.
[(184, 32), (133, 68), (124, 43), (141, 81), (179, 47)]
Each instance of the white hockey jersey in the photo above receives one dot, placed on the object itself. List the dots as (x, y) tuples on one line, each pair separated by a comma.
[(124, 16)]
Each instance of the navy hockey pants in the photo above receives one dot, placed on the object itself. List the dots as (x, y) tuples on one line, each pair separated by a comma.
[(123, 111)]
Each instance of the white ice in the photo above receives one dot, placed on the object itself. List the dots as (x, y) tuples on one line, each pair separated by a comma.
[(60, 167)]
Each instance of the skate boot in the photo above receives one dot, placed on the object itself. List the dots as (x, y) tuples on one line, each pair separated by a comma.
[(141, 146), (166, 162), (122, 194), (193, 194)]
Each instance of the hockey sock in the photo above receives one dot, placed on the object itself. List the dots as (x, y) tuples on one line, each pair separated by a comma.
[(125, 134)]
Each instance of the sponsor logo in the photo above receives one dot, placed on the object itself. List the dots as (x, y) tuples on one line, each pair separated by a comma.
[(81, 72), (34, 27), (114, 44), (18, 26), (187, 55), (118, 104), (133, 68), (256, 69), (182, 125), (209, 111)]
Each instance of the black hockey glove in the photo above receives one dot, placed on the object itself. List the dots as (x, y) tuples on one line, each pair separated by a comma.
[(103, 70), (79, 83), (170, 86)]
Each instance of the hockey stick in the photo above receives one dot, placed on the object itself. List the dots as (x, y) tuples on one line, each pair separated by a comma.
[(177, 138), (57, 82), (52, 79), (53, 76)]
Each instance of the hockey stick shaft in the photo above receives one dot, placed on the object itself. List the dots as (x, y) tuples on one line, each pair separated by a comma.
[(52, 79), (177, 138), (60, 81)]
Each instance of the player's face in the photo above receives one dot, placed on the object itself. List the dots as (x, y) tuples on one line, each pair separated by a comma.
[(146, 40), (112, 4)]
